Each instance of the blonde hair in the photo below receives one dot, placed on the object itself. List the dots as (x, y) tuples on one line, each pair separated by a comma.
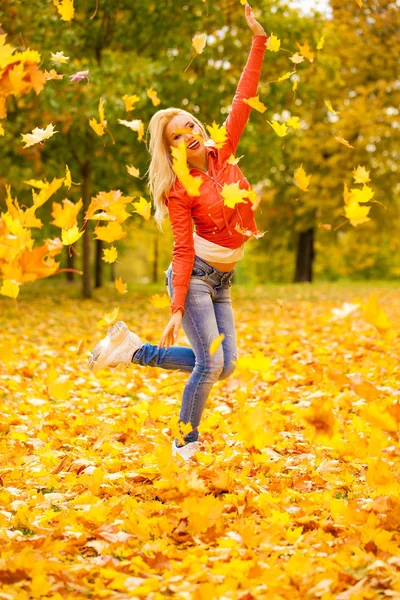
[(160, 174)]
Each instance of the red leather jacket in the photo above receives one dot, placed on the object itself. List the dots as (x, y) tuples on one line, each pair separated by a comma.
[(212, 219)]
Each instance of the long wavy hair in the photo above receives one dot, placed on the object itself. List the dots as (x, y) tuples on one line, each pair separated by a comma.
[(160, 174)]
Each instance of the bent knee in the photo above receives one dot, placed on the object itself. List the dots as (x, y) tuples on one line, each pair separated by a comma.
[(227, 371)]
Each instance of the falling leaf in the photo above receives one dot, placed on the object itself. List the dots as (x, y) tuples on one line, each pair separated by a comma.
[(279, 128), (296, 58), (306, 51), (330, 108), (374, 314), (160, 301), (119, 286), (97, 127), (9, 289), (66, 9), (71, 235), (152, 94), (130, 101), (273, 43), (135, 125), (79, 76), (232, 160), (181, 170), (110, 255), (59, 57), (294, 86), (233, 194), (38, 135), (256, 104), (361, 175), (321, 42), (294, 122), (109, 318), (65, 215), (301, 179), (199, 41), (110, 233), (356, 213), (52, 74), (364, 195), (81, 347), (218, 134), (286, 75), (360, 3), (133, 171), (143, 208), (215, 344), (67, 179), (343, 141)]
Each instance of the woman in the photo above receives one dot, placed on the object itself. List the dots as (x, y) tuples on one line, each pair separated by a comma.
[(203, 262)]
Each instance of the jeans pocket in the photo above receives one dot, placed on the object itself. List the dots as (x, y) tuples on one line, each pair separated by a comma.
[(198, 272)]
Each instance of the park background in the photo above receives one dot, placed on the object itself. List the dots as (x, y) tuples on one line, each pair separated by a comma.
[(296, 490)]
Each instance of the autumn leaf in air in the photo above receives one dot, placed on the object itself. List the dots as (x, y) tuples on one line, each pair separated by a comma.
[(301, 179), (133, 171), (46, 189), (52, 74), (306, 51), (110, 255), (374, 314), (59, 57), (99, 127), (71, 235), (343, 141), (218, 134), (9, 289), (38, 135), (110, 233), (215, 344), (120, 286), (364, 195), (181, 170), (279, 128), (135, 125), (361, 175), (1, 129), (160, 300), (79, 76), (199, 42), (294, 122), (356, 213), (233, 160), (67, 179), (255, 103), (65, 9), (109, 318), (330, 107), (65, 215), (152, 94), (360, 3), (321, 43), (233, 194), (273, 43), (296, 58), (143, 208), (129, 101)]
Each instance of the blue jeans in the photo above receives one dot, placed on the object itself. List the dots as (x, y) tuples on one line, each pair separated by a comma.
[(208, 313)]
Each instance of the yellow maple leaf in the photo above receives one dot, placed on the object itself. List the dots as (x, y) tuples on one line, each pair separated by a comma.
[(330, 107), (199, 42), (101, 112), (293, 122), (215, 344), (286, 75), (65, 215), (9, 288), (232, 160), (133, 171), (233, 194), (160, 301), (273, 43), (143, 208), (360, 3), (52, 74), (296, 58), (294, 86), (361, 175), (218, 134), (181, 170), (66, 9), (321, 43), (343, 141), (363, 195), (152, 94), (120, 286), (130, 101), (255, 103), (59, 57), (46, 191), (38, 135), (67, 179), (110, 255), (301, 179), (110, 233), (356, 213), (306, 51), (71, 235), (97, 127), (135, 125), (109, 318), (279, 128)]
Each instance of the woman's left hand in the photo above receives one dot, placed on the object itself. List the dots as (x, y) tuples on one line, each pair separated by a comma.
[(254, 25)]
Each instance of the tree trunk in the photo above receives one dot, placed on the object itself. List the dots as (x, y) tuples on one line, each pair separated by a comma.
[(112, 272), (86, 238), (99, 264), (155, 260), (305, 256), (70, 265)]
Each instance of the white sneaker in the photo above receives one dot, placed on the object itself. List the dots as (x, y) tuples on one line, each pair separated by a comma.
[(186, 451), (117, 347)]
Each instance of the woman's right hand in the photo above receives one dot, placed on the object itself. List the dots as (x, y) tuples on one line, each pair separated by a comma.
[(171, 331), (254, 25)]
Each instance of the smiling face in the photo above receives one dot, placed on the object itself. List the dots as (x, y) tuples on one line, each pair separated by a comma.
[(192, 136)]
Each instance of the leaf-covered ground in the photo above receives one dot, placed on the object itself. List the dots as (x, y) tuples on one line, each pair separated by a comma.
[(296, 493)]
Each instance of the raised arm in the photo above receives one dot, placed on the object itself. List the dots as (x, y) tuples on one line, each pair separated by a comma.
[(248, 83)]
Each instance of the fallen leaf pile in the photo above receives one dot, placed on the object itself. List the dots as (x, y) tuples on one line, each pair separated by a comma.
[(294, 494)]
